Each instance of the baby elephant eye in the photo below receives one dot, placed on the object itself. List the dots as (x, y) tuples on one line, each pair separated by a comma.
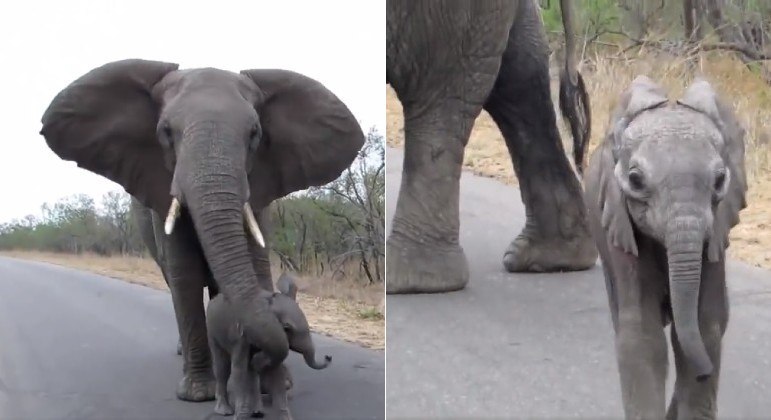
[(636, 180)]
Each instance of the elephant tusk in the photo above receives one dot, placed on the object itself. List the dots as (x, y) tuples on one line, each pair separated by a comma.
[(251, 223), (172, 216)]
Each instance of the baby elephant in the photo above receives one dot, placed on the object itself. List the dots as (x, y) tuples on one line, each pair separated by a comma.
[(662, 193), (233, 356)]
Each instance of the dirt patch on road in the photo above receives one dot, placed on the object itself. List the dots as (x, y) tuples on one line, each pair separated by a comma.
[(487, 155), (349, 312)]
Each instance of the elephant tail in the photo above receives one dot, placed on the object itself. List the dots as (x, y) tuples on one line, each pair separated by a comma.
[(573, 98)]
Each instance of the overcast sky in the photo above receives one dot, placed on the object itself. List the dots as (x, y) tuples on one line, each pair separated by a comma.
[(45, 45)]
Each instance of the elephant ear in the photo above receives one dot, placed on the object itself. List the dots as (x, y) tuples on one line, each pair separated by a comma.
[(701, 97), (286, 285), (309, 136), (106, 121), (643, 94)]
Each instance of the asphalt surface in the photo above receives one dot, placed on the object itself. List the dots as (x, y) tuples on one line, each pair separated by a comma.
[(75, 345), (540, 345)]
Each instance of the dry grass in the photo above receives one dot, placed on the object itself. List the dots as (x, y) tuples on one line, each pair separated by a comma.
[(486, 153), (347, 311)]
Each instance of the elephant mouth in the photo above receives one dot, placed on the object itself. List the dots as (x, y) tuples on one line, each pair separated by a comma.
[(251, 221)]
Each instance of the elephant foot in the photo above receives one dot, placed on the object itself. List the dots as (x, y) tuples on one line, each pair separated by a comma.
[(196, 390), (414, 267), (223, 408), (527, 253), (179, 347)]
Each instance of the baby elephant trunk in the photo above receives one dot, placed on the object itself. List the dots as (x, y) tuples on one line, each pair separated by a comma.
[(310, 360), (307, 349), (684, 252)]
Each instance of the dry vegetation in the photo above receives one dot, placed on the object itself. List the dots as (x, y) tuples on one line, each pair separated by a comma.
[(343, 309), (486, 153)]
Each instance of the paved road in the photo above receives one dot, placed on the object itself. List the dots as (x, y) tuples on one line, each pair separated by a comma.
[(74, 345), (539, 345)]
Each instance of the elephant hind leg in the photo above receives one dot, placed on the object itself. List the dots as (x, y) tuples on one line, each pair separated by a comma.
[(556, 236)]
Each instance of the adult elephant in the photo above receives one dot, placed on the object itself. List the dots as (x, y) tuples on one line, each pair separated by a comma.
[(447, 61), (208, 147)]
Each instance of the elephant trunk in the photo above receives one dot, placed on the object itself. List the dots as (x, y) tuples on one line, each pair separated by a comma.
[(307, 349), (310, 360), (212, 181), (685, 239)]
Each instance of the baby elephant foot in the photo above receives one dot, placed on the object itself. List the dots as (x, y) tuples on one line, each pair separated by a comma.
[(288, 381), (283, 414), (259, 408), (287, 377), (223, 408), (196, 389)]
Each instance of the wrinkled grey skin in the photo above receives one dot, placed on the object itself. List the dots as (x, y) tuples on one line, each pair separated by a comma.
[(215, 141), (150, 227), (234, 356), (448, 60), (662, 192)]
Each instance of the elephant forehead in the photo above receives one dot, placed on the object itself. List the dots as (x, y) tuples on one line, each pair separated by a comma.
[(675, 128), (209, 77)]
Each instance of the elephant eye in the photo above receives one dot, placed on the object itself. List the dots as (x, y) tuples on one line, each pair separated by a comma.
[(256, 132), (636, 180), (166, 131), (719, 180)]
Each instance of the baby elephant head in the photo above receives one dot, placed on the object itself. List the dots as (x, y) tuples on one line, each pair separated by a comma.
[(675, 173), (284, 305)]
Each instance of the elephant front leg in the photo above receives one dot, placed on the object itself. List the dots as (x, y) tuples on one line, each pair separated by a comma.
[(424, 254), (442, 94), (221, 361), (641, 350), (187, 273), (288, 380), (275, 379), (244, 377)]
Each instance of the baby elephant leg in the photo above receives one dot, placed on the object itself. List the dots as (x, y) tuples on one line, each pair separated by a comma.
[(289, 383), (221, 364), (275, 379), (259, 408), (242, 381)]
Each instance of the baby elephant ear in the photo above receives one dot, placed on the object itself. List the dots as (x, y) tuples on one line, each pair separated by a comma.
[(701, 97), (641, 95), (286, 285)]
